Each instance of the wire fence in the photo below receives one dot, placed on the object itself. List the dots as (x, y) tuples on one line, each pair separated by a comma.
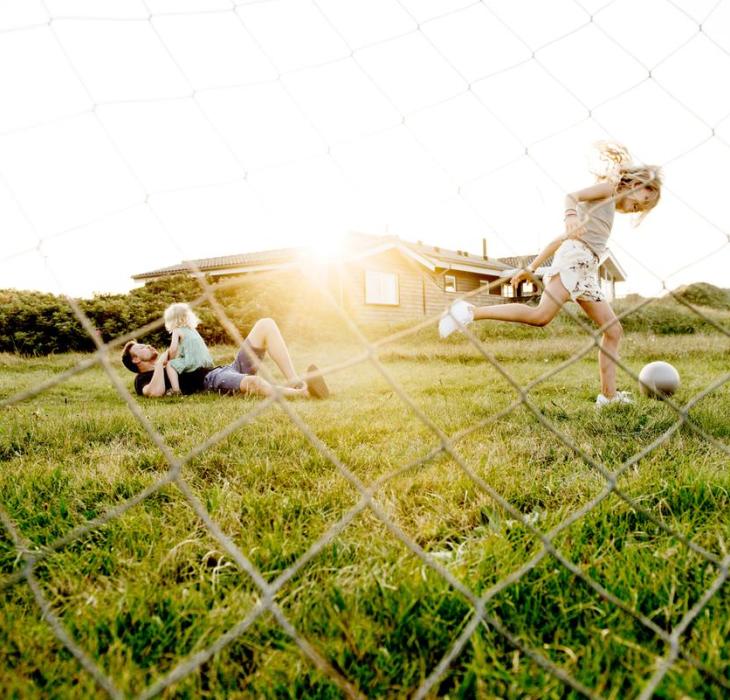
[(31, 555)]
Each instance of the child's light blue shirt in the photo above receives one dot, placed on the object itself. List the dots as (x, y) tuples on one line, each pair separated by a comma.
[(192, 352)]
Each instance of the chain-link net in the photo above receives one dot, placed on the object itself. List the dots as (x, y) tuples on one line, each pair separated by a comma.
[(30, 555)]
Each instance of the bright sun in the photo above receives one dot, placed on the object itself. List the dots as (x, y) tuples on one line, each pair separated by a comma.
[(327, 248)]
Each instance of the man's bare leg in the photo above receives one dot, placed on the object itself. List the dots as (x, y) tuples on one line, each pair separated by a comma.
[(253, 384), (266, 335)]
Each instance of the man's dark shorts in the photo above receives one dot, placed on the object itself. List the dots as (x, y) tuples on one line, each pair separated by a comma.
[(227, 379)]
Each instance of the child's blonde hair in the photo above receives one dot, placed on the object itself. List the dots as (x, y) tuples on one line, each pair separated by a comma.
[(180, 316), (616, 165)]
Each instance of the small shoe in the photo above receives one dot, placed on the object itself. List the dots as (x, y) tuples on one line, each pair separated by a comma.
[(317, 386), (461, 312), (618, 397)]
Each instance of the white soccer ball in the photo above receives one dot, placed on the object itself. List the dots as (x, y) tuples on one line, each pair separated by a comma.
[(658, 380)]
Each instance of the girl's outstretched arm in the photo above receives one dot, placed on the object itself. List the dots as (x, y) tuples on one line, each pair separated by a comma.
[(174, 344), (573, 225), (546, 252), (173, 377), (601, 190)]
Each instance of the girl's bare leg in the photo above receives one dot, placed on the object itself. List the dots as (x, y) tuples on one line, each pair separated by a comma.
[(553, 297), (601, 313), (266, 334)]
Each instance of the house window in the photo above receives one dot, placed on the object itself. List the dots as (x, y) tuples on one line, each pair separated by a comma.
[(381, 287), (449, 283), (528, 288), (508, 290)]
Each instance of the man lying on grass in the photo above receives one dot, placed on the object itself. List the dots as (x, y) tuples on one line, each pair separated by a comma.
[(238, 377)]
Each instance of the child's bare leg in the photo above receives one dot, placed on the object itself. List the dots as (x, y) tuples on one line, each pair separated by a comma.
[(601, 313), (172, 376), (553, 297), (253, 384), (266, 334)]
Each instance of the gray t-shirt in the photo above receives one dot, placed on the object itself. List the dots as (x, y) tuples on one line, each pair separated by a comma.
[(598, 215)]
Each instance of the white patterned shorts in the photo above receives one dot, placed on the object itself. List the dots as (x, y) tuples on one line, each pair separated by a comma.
[(577, 266)]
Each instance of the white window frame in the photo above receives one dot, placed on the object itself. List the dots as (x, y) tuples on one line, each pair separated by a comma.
[(528, 287), (508, 291), (446, 283), (382, 288)]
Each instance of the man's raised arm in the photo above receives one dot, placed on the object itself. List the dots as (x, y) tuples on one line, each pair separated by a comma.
[(156, 386)]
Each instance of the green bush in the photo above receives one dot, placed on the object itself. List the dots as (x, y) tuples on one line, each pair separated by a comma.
[(35, 323), (667, 316), (664, 318), (703, 294)]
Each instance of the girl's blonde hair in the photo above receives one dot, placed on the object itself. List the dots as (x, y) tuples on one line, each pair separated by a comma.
[(616, 165), (180, 316)]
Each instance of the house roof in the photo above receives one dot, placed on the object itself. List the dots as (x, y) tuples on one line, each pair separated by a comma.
[(520, 261), (358, 246), (457, 259), (264, 257)]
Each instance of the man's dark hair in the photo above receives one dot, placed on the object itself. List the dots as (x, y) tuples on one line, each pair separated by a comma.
[(127, 357)]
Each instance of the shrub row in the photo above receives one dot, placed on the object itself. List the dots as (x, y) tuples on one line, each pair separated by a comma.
[(35, 323)]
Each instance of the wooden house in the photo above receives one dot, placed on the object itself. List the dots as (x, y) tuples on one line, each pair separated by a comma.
[(383, 278)]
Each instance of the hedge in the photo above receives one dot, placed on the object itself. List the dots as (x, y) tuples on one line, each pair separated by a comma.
[(35, 323)]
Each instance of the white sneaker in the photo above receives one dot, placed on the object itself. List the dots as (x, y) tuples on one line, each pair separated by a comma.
[(618, 397), (460, 311)]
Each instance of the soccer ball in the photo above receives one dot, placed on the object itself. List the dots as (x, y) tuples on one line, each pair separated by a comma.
[(657, 380)]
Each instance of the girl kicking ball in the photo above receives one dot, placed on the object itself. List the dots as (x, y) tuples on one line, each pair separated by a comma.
[(625, 187)]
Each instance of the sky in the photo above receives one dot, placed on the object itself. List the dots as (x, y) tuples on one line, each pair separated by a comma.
[(138, 133)]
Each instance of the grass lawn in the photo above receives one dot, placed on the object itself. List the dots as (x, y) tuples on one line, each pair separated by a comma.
[(153, 587)]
